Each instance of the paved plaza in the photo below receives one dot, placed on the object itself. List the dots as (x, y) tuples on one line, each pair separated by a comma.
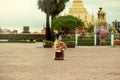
[(23, 61)]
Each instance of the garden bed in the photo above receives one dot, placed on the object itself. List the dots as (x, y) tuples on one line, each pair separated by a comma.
[(117, 42)]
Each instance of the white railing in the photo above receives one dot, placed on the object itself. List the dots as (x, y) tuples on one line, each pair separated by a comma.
[(111, 37)]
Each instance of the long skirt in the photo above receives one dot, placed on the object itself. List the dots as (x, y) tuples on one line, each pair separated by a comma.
[(59, 56)]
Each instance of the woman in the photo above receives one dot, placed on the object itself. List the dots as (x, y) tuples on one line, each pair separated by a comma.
[(59, 46)]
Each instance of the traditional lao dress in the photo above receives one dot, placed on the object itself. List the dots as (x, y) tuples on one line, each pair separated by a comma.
[(59, 47)]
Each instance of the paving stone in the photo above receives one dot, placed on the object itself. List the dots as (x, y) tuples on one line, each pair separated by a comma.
[(28, 62)]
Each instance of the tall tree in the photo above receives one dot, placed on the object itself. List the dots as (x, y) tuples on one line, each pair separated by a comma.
[(90, 28), (53, 8)]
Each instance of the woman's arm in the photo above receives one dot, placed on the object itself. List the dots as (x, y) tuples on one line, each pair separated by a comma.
[(56, 46), (64, 45)]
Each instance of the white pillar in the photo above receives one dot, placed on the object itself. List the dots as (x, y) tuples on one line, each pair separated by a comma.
[(95, 36), (112, 39), (76, 39)]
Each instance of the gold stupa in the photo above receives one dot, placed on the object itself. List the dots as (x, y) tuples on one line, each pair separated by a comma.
[(78, 10)]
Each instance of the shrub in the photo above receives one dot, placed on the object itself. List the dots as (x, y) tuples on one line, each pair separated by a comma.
[(70, 44), (47, 44), (31, 39), (86, 41), (39, 40)]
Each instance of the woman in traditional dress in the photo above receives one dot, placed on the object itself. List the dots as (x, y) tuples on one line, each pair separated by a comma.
[(59, 46)]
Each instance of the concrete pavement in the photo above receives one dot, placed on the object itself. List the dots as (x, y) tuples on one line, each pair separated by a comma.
[(20, 61)]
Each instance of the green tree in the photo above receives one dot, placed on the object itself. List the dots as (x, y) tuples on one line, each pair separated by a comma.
[(66, 23), (53, 8), (112, 30), (90, 28)]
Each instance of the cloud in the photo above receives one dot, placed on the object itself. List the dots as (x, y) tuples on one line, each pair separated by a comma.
[(111, 7), (19, 13)]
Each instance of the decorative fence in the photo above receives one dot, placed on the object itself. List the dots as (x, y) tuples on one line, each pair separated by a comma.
[(103, 40), (77, 39), (117, 39), (94, 39), (85, 40)]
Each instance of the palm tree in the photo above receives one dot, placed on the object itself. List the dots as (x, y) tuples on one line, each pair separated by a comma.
[(53, 8)]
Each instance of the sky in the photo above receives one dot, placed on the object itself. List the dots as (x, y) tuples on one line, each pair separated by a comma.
[(14, 14)]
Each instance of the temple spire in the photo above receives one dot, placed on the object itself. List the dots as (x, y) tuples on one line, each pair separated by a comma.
[(92, 20), (85, 18), (78, 10)]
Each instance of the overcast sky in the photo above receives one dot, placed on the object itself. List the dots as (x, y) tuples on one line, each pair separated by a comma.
[(14, 14)]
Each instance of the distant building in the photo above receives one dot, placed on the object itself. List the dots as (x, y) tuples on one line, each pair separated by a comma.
[(35, 32), (14, 32), (1, 31), (43, 31), (6, 31), (26, 29)]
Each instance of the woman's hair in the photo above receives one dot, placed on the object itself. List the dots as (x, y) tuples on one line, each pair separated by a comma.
[(57, 36)]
